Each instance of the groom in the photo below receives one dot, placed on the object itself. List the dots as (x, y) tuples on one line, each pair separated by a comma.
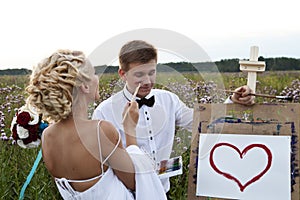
[(160, 110)]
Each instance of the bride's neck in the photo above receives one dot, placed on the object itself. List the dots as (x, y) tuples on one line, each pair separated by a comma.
[(80, 111)]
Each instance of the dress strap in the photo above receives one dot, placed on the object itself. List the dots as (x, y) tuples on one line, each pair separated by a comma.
[(65, 185), (83, 181), (99, 145)]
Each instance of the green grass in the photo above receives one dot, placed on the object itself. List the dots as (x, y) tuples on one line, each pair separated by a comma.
[(16, 164)]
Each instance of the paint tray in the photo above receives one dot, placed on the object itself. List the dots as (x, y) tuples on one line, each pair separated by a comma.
[(170, 167)]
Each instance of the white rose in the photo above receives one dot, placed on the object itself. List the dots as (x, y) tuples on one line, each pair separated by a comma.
[(22, 132), (21, 144), (34, 116), (33, 144)]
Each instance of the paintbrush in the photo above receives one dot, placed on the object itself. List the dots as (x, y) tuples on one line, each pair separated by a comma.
[(263, 95), (132, 99)]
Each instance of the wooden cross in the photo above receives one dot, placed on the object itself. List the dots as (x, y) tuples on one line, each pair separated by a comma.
[(252, 67)]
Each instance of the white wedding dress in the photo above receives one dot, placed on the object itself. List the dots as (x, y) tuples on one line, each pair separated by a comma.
[(109, 187)]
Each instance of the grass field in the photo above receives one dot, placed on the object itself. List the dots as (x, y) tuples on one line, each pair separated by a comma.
[(16, 162)]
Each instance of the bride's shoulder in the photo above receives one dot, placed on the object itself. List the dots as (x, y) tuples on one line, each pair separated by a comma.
[(107, 130)]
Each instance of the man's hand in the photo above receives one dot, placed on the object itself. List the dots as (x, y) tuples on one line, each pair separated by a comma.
[(130, 120), (242, 96)]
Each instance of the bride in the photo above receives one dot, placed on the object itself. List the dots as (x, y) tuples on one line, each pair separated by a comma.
[(86, 157)]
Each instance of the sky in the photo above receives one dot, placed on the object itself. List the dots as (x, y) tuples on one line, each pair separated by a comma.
[(32, 29)]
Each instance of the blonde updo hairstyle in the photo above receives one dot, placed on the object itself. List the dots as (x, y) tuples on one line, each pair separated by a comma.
[(54, 81)]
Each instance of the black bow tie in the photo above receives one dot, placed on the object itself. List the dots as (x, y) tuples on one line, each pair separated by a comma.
[(148, 102)]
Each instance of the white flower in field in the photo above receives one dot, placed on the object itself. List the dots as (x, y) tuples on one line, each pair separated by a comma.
[(4, 138), (178, 139), (22, 132), (13, 122)]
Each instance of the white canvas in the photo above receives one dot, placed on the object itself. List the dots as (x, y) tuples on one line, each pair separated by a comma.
[(244, 166)]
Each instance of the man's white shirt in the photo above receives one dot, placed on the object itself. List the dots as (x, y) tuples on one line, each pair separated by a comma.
[(156, 126)]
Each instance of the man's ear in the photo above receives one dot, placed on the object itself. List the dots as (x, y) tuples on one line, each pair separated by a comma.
[(122, 73), (84, 88)]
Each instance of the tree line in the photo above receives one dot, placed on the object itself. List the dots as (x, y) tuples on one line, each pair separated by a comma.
[(224, 65), (13, 72)]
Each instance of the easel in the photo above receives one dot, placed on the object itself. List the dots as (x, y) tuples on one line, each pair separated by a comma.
[(275, 119), (252, 67)]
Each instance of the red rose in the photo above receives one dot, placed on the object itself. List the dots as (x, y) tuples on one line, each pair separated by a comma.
[(32, 129), (14, 133), (33, 136), (23, 118)]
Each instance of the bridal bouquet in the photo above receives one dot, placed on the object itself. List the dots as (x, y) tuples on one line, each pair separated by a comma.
[(27, 127)]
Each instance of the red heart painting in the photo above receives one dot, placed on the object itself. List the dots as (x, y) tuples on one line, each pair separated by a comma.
[(242, 154)]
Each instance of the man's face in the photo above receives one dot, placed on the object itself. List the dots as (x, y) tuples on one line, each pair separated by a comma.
[(145, 74)]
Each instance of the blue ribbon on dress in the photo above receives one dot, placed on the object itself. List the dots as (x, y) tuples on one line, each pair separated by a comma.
[(30, 175)]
